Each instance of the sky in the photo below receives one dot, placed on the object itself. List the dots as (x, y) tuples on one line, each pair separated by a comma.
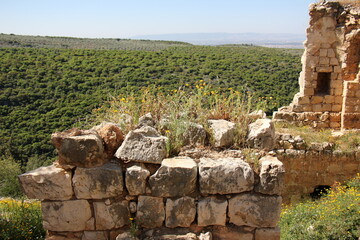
[(126, 19)]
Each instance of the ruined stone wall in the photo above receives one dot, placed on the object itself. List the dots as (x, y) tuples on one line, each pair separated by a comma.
[(329, 82), (89, 194)]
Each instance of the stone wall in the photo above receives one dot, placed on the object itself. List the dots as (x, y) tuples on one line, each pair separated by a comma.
[(329, 94), (89, 194)]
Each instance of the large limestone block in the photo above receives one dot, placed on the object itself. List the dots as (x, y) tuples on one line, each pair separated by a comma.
[(72, 216), (255, 210), (261, 134), (79, 148), (223, 132), (150, 212), (143, 145), (135, 179), (176, 177), (180, 212), (225, 176), (212, 211), (49, 183), (194, 135), (98, 182), (112, 136), (92, 235), (112, 215), (267, 234), (272, 173)]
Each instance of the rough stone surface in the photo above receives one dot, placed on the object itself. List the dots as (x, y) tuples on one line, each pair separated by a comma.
[(73, 215), (267, 234), (223, 132), (150, 212), (194, 135), (146, 120), (212, 211), (94, 235), (272, 173), (205, 236), (112, 136), (98, 182), (49, 183), (255, 210), (135, 179), (180, 212), (225, 176), (113, 215), (143, 145), (232, 233), (188, 236), (257, 114), (261, 134), (126, 236), (176, 177)]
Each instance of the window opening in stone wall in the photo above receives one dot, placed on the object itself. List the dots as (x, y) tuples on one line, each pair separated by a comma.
[(323, 83)]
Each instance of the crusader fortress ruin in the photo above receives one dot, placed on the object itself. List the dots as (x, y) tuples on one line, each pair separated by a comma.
[(329, 94)]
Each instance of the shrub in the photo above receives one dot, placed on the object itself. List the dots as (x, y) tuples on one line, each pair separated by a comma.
[(9, 185)]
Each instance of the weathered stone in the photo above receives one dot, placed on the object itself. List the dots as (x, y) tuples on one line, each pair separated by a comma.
[(194, 135), (98, 182), (79, 148), (225, 176), (255, 210), (92, 235), (261, 134), (49, 183), (112, 136), (126, 236), (257, 114), (205, 236), (212, 211), (188, 236), (150, 212), (267, 234), (146, 120), (223, 132), (232, 233), (176, 177), (143, 145), (271, 175), (180, 212), (135, 179), (73, 215), (113, 215), (64, 236)]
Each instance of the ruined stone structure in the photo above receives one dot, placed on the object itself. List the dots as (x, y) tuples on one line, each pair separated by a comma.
[(329, 82)]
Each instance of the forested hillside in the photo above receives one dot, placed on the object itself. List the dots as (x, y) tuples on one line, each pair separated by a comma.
[(47, 90)]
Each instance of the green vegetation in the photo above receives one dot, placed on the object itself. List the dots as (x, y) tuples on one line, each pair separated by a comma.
[(9, 185), (335, 216), (20, 220), (48, 90)]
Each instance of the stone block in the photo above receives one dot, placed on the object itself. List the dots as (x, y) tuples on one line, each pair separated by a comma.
[(309, 91), (194, 135), (338, 99), (327, 107), (271, 175), (334, 62), (255, 210), (146, 120), (331, 53), (225, 176), (328, 99), (135, 179), (143, 145), (324, 69), (324, 60), (92, 235), (176, 177), (336, 108), (317, 99), (223, 132), (72, 216), (150, 212), (180, 212), (261, 134), (111, 215), (317, 108), (98, 182), (212, 211), (267, 234), (111, 135), (49, 183), (323, 52), (232, 233), (337, 69), (304, 100)]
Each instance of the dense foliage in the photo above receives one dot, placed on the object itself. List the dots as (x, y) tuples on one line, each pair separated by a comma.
[(47, 90)]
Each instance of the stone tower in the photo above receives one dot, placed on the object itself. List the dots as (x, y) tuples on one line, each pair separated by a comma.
[(329, 94)]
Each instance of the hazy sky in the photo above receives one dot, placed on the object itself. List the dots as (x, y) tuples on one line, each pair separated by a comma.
[(122, 19)]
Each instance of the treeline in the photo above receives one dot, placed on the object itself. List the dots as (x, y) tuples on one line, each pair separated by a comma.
[(47, 90)]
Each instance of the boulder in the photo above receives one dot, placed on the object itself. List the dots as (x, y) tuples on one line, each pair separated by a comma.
[(98, 182), (225, 176), (126, 236), (223, 132), (180, 212), (272, 173), (212, 211), (50, 183), (112, 136), (72, 216), (79, 148), (261, 134), (112, 215), (146, 120), (175, 178), (267, 234), (143, 145), (254, 210), (258, 114), (205, 236), (135, 179), (194, 135), (92, 235), (150, 212)]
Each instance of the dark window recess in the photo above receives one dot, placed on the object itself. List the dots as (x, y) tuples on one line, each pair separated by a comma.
[(323, 83)]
